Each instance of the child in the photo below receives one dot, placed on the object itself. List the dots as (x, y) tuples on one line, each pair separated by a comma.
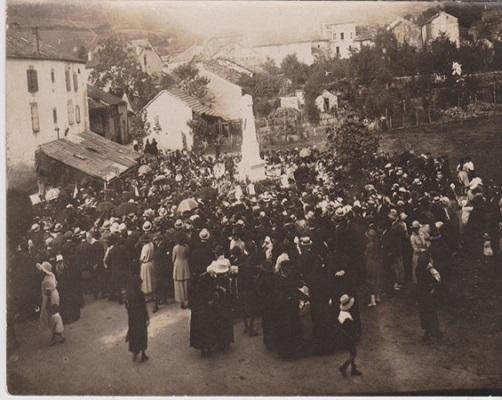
[(487, 250)]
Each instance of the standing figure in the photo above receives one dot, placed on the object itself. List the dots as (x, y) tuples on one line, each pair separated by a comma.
[(374, 265), (428, 285), (419, 246), (49, 313), (138, 320), (348, 335), (147, 270), (181, 271)]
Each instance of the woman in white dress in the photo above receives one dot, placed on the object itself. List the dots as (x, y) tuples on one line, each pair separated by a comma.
[(181, 272)]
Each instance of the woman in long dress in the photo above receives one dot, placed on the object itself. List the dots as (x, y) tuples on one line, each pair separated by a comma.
[(181, 272), (138, 320), (419, 246), (147, 270)]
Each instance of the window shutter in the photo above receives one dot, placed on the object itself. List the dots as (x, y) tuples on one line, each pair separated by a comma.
[(31, 75), (35, 123), (70, 112), (77, 114), (67, 78), (75, 81), (55, 115)]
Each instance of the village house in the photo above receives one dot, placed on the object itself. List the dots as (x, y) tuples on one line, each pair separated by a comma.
[(441, 23), (341, 38), (326, 101), (108, 115), (46, 99), (296, 101), (147, 57), (278, 51), (224, 88), (169, 114), (406, 31)]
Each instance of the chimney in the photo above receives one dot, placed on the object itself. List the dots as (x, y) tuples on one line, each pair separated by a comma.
[(36, 37)]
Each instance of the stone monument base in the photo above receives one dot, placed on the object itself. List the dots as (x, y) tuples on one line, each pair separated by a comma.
[(253, 171)]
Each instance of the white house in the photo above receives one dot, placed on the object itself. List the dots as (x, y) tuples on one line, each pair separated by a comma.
[(341, 38), (438, 24), (326, 101), (224, 88), (169, 113), (406, 31), (46, 99)]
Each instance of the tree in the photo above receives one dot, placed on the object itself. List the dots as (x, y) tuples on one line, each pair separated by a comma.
[(189, 80), (138, 125), (294, 70), (117, 68), (354, 143)]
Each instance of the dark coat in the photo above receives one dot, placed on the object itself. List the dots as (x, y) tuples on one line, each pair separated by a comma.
[(137, 334)]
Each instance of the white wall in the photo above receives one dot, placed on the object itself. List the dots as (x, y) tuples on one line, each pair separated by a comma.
[(154, 64), (227, 95), (173, 115), (21, 140), (333, 33), (444, 23), (303, 51)]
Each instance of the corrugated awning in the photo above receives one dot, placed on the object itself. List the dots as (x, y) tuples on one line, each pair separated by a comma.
[(93, 155)]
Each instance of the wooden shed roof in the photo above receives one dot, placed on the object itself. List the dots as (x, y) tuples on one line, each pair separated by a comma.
[(92, 154)]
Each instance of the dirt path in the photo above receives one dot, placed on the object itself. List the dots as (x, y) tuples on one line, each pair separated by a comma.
[(95, 360)]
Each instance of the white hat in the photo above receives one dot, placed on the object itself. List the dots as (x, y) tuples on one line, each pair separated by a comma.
[(123, 227), (147, 226), (178, 223), (35, 228), (204, 234), (115, 228), (346, 302)]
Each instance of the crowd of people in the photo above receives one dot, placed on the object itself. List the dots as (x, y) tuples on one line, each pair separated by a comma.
[(304, 242)]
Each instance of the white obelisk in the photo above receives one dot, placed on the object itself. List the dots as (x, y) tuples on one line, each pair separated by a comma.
[(251, 165)]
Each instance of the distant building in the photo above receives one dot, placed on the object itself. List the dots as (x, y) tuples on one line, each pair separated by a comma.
[(441, 23), (46, 99), (108, 115), (406, 31), (147, 57), (169, 113), (278, 51), (296, 102), (189, 55), (326, 101), (341, 38)]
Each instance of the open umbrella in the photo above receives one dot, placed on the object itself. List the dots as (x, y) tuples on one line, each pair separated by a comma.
[(105, 206), (143, 170), (305, 152), (125, 209), (52, 194), (187, 205)]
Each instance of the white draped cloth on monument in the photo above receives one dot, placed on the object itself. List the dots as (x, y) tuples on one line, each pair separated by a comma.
[(251, 165)]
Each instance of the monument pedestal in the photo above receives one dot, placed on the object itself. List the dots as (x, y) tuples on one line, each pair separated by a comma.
[(254, 171), (251, 167)]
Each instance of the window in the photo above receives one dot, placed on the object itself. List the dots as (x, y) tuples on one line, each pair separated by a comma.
[(334, 35), (70, 112), (77, 114), (351, 35), (31, 74), (55, 115), (67, 78), (144, 60), (350, 48), (341, 35), (337, 50), (53, 75), (75, 81), (35, 123)]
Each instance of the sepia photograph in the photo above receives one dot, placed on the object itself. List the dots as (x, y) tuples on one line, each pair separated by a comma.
[(253, 198)]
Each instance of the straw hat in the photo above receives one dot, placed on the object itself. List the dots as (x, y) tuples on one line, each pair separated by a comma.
[(147, 226), (178, 224), (305, 241), (218, 267), (346, 302), (204, 234), (58, 227)]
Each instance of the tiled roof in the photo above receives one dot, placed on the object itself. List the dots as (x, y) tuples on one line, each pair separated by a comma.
[(222, 71), (100, 96), (92, 154), (19, 45), (190, 101)]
